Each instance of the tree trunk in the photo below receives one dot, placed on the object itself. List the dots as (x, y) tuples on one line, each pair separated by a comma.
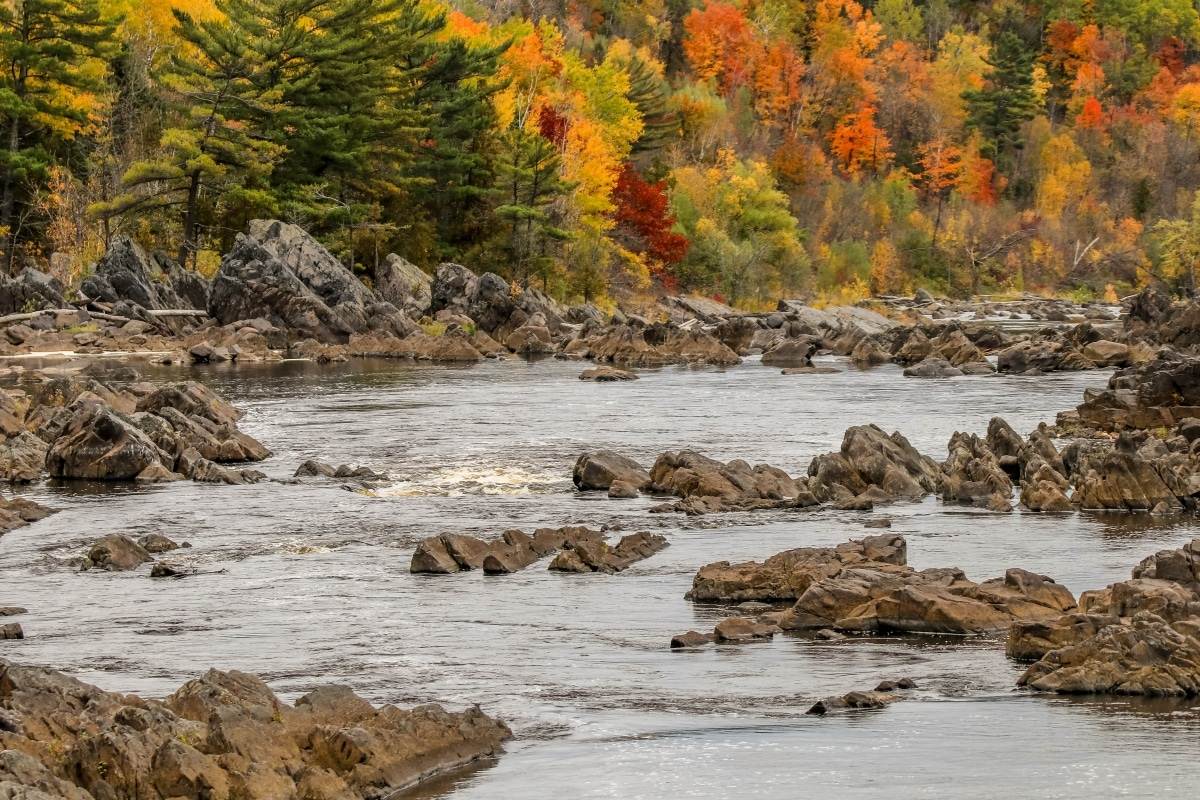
[(187, 248), (8, 201)]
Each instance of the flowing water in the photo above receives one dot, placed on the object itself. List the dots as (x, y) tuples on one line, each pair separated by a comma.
[(308, 583)]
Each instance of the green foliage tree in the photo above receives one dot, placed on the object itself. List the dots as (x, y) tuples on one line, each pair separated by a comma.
[(901, 20), (49, 51), (528, 184), (456, 156), (1006, 101), (1179, 243)]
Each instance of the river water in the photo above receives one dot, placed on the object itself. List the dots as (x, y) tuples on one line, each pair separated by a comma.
[(308, 583)]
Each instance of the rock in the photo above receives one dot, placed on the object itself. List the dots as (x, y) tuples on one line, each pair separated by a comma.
[(157, 473), (622, 490), (12, 630), (512, 551), (809, 371), (933, 367), (599, 469), (1107, 354), (870, 458), (19, 334), (310, 469), (30, 289), (162, 569), (100, 444), (126, 273), (797, 352), (708, 485), (1047, 353), (691, 639), (896, 685), (882, 522), (116, 553), (655, 346), (972, 471), (22, 458), (787, 575), (851, 701), (18, 512), (1045, 496), (157, 543), (404, 285), (1157, 393), (1146, 656), (590, 555), (1031, 640), (1120, 480), (530, 340), (12, 611), (226, 735), (740, 629), (278, 272), (606, 374), (869, 352)]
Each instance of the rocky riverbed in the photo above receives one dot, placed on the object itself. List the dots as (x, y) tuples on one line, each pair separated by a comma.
[(737, 549)]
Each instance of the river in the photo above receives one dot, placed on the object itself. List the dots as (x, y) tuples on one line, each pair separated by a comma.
[(308, 583)]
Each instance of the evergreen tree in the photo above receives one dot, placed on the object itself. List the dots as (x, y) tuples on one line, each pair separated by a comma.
[(650, 92), (226, 85), (350, 121), (528, 185), (456, 156), (1006, 101), (48, 54)]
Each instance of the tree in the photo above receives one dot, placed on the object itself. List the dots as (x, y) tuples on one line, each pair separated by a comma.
[(528, 185), (1179, 240), (225, 84), (50, 57), (859, 144), (1006, 101), (644, 218), (941, 170)]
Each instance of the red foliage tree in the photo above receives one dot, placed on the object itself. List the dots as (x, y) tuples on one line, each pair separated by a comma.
[(644, 217)]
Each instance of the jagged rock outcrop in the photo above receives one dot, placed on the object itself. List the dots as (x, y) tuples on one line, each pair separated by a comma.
[(1157, 393), (707, 485), (404, 285), (785, 576), (29, 290), (127, 274), (223, 735), (514, 550), (278, 272), (592, 555), (653, 346), (972, 471), (867, 586), (870, 459)]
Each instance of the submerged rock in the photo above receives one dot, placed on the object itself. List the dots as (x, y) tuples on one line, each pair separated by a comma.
[(116, 553), (606, 375)]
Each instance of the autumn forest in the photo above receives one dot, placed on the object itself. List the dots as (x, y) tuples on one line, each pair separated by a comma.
[(741, 149)]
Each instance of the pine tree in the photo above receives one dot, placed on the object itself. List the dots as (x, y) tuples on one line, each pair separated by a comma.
[(225, 84), (1006, 101), (528, 185), (650, 92), (456, 158), (350, 122), (48, 55)]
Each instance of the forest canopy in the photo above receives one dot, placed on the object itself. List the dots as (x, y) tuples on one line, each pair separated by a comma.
[(741, 150)]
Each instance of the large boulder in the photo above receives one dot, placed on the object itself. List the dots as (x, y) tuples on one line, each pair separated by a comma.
[(599, 469), (870, 459), (127, 273), (404, 285), (706, 484), (101, 444), (117, 553), (786, 576), (30, 290), (1146, 656), (278, 272)]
